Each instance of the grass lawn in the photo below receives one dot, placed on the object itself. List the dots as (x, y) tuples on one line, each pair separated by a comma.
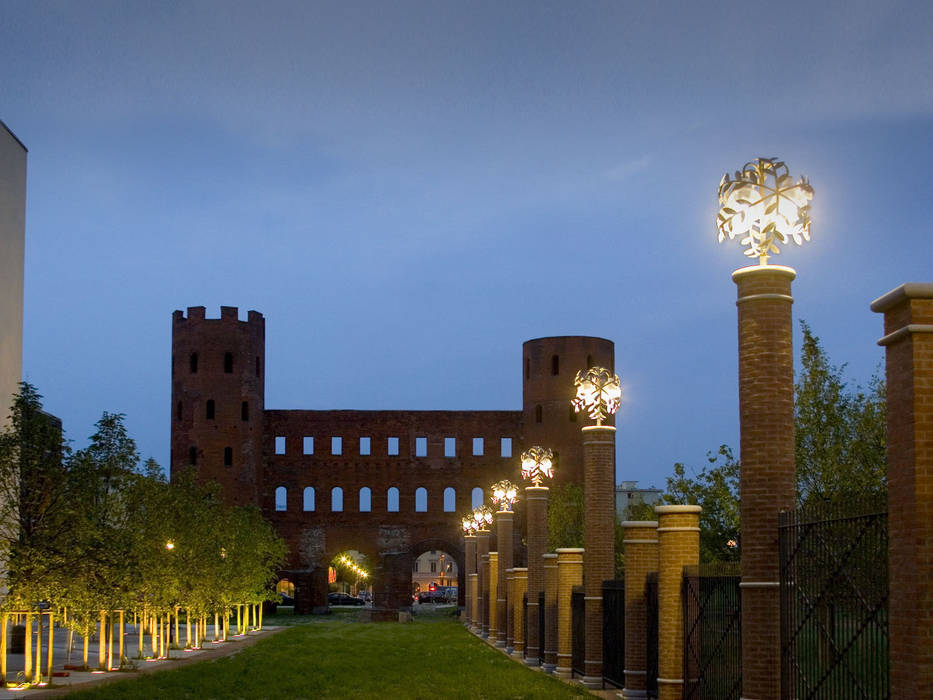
[(337, 657)]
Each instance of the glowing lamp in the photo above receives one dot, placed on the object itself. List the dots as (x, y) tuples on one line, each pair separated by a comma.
[(537, 464), (504, 494), (766, 206), (170, 545), (599, 393), (482, 516), (466, 523)]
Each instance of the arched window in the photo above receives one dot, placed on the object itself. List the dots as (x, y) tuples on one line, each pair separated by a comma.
[(228, 456), (194, 363), (366, 500), (392, 500), (589, 361), (257, 365), (336, 499), (539, 414), (281, 498), (228, 362), (555, 365), (527, 368), (209, 409), (421, 500), (477, 497), (178, 411), (244, 410), (193, 456), (308, 499), (450, 500)]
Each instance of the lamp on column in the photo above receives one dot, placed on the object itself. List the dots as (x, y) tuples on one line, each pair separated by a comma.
[(504, 495), (537, 465), (599, 393)]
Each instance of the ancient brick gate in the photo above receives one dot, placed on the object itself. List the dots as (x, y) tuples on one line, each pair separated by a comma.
[(390, 484)]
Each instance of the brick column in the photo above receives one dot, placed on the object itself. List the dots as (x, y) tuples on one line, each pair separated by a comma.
[(536, 513), (494, 625), (767, 482), (474, 596), (641, 558), (599, 471), (678, 546), (908, 344), (550, 612), (482, 569), (510, 612), (569, 574), (520, 578), (504, 528), (469, 566)]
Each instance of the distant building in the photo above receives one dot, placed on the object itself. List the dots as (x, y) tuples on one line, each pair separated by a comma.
[(12, 251), (434, 567), (628, 494)]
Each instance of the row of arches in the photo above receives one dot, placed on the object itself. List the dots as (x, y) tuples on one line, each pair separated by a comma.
[(365, 499)]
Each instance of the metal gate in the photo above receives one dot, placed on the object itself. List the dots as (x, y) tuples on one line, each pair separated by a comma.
[(577, 630), (614, 632), (834, 601), (712, 632)]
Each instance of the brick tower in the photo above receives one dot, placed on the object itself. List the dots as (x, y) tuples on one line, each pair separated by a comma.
[(218, 389), (549, 366)]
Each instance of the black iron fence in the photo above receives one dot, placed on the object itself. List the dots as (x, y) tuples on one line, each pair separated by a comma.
[(614, 632), (834, 601), (577, 630), (712, 632), (651, 634)]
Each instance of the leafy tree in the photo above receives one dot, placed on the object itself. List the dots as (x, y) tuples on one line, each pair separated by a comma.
[(33, 500), (565, 516), (840, 433), (716, 489)]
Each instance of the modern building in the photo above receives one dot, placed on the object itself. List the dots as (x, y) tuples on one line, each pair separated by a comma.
[(389, 484), (12, 254), (628, 494)]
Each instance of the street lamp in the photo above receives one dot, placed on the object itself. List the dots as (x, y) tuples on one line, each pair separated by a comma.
[(537, 464), (599, 393), (764, 204), (504, 494), (482, 516)]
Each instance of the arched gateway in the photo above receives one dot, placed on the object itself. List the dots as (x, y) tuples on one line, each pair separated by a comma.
[(389, 484)]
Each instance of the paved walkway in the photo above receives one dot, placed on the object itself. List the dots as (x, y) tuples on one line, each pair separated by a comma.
[(64, 684)]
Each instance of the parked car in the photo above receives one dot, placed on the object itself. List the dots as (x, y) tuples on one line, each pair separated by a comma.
[(343, 599)]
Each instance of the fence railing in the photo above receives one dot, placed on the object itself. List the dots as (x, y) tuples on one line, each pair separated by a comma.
[(834, 601), (577, 630), (712, 632), (614, 632)]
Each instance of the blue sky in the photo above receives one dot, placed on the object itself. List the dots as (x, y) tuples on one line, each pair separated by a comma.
[(408, 191)]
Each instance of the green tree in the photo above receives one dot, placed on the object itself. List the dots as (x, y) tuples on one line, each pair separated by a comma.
[(840, 433), (565, 516), (33, 500), (716, 489)]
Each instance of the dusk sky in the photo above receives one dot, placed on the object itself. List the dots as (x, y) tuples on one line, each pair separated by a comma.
[(409, 191)]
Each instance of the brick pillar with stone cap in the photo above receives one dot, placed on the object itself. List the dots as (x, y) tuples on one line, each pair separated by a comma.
[(495, 629), (536, 501), (908, 344), (641, 559), (482, 570), (599, 452), (569, 574), (767, 478), (550, 611), (678, 546), (504, 529), (469, 565), (520, 577)]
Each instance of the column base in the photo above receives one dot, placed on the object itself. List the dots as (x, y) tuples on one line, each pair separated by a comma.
[(509, 650), (548, 668), (518, 653), (629, 694), (500, 643), (532, 661), (592, 682), (564, 673)]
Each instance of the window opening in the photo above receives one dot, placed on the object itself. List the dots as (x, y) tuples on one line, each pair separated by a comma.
[(281, 498), (308, 499), (365, 445), (336, 446), (178, 411), (280, 445), (228, 363), (194, 363), (228, 456), (392, 500), (336, 499), (244, 410), (366, 500), (307, 445), (506, 447), (450, 447), (421, 447), (450, 500), (209, 409), (477, 447), (539, 413), (421, 500), (193, 456), (477, 497), (555, 365), (393, 447)]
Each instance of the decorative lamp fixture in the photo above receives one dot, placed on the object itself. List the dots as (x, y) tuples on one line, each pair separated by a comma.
[(764, 204), (482, 516), (537, 464), (467, 524), (170, 545), (504, 494), (599, 393)]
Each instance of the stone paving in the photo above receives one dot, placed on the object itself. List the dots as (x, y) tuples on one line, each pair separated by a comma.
[(63, 684)]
